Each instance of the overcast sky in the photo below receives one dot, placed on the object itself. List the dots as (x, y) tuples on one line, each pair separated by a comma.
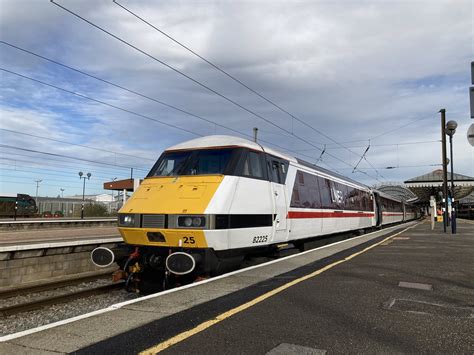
[(350, 69)]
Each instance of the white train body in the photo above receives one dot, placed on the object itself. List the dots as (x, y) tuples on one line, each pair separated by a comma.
[(224, 196)]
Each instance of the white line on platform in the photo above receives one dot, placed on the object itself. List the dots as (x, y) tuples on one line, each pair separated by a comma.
[(177, 289), (73, 243)]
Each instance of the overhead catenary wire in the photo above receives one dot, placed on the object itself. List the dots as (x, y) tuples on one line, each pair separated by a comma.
[(75, 165), (402, 126), (179, 109), (49, 179), (362, 157), (74, 144), (129, 90), (137, 114), (43, 184), (215, 66), (399, 167), (378, 145), (67, 156), (320, 158), (19, 167), (191, 78), (101, 102)]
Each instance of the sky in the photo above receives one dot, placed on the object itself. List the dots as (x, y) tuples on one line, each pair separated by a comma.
[(353, 73)]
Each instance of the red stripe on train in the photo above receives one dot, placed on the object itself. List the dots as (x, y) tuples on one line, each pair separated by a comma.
[(298, 214)]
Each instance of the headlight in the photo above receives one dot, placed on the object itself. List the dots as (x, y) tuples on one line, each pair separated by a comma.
[(188, 221), (191, 222), (127, 220)]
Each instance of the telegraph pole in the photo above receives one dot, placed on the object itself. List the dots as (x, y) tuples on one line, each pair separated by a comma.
[(445, 167), (37, 187)]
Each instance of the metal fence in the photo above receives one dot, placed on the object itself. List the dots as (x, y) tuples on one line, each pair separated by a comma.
[(71, 207)]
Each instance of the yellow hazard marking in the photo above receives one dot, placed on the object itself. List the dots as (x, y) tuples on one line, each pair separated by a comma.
[(173, 195), (203, 326), (189, 238)]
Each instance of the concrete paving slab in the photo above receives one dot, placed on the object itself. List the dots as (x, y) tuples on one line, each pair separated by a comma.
[(86, 332), (289, 349), (344, 310)]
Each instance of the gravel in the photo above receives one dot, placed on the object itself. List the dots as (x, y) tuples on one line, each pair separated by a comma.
[(50, 314)]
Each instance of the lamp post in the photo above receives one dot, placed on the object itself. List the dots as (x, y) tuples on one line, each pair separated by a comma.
[(87, 176), (450, 130), (112, 202), (445, 167), (37, 188), (62, 196)]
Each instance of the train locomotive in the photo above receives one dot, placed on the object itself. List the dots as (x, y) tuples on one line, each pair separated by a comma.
[(17, 205), (210, 202)]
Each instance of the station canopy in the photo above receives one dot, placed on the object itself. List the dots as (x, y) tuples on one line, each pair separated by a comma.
[(399, 191), (431, 184), (119, 185)]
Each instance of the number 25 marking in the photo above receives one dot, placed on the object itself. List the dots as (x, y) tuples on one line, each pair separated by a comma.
[(189, 240)]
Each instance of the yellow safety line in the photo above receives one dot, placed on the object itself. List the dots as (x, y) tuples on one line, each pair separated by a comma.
[(203, 326)]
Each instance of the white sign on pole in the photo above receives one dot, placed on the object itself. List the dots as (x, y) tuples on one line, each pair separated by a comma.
[(470, 135)]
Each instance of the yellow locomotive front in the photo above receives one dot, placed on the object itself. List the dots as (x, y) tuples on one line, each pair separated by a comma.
[(169, 211), (164, 223), (202, 208)]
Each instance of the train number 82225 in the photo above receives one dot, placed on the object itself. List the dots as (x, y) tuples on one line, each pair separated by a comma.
[(260, 239)]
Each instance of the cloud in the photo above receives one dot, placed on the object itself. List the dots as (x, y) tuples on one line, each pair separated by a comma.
[(350, 69)]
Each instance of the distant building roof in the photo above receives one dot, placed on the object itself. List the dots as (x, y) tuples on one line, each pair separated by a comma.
[(468, 200), (437, 176), (431, 183)]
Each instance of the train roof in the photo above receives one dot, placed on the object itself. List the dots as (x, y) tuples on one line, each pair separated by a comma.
[(222, 141), (7, 194)]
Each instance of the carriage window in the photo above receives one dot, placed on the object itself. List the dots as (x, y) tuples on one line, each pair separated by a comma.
[(325, 190), (306, 191)]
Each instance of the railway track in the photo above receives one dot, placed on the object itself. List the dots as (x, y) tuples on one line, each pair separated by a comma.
[(57, 299), (48, 286)]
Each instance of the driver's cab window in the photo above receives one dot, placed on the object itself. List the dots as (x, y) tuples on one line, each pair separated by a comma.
[(278, 170)]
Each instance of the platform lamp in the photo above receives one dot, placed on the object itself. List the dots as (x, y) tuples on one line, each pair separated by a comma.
[(81, 176), (112, 202), (450, 130)]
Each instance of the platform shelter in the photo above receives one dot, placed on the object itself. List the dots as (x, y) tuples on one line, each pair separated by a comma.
[(431, 184)]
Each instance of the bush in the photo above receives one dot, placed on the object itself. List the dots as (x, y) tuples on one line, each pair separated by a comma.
[(95, 210)]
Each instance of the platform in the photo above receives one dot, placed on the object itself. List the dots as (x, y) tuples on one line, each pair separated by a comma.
[(22, 237), (411, 292)]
